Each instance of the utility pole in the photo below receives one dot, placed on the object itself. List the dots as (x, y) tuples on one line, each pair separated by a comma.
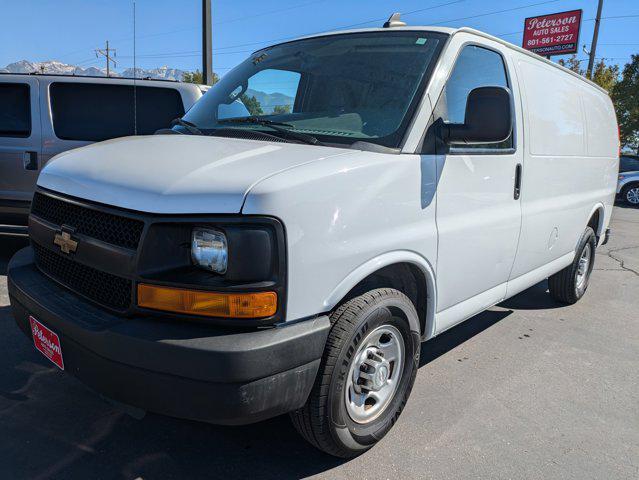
[(207, 47), (595, 35), (107, 55)]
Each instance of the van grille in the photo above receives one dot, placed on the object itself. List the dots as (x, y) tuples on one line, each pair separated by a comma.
[(109, 290), (109, 228)]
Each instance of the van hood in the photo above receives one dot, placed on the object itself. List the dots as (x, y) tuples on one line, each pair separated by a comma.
[(174, 173)]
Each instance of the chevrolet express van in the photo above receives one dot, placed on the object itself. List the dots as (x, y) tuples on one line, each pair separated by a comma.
[(292, 260), (44, 115)]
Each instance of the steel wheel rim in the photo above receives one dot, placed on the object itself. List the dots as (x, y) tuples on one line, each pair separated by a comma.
[(374, 374), (633, 196), (584, 266)]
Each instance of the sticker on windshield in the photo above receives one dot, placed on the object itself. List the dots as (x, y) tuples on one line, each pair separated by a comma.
[(420, 41)]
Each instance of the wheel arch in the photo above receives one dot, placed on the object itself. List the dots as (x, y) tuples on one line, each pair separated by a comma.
[(393, 269), (596, 219)]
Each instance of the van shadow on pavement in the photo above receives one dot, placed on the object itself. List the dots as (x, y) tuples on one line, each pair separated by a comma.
[(52, 426)]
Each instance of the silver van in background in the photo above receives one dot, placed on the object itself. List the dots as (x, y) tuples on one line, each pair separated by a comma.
[(44, 115)]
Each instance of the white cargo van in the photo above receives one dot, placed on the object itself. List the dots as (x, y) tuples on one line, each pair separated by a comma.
[(44, 115), (293, 259)]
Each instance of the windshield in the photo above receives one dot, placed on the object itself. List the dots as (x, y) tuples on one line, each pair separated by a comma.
[(339, 89)]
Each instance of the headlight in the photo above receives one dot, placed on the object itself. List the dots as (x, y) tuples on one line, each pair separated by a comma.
[(209, 249)]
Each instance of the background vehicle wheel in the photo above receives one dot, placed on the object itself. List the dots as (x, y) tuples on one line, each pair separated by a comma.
[(570, 284), (366, 374), (630, 194)]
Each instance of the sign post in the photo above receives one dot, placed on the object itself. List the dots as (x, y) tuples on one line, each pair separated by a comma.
[(554, 34)]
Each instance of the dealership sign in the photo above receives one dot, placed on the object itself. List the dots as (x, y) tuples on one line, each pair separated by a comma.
[(554, 34)]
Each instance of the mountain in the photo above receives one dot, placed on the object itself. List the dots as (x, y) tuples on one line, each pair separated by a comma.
[(269, 100), (58, 68), (161, 73)]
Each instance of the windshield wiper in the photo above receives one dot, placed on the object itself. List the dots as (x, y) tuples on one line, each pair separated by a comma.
[(285, 128), (190, 127)]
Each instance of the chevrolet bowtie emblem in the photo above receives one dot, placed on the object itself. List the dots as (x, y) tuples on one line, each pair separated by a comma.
[(65, 242)]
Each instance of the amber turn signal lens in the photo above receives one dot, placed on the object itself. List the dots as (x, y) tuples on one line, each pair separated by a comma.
[(210, 304)]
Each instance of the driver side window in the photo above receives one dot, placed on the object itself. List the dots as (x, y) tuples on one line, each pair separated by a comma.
[(475, 67)]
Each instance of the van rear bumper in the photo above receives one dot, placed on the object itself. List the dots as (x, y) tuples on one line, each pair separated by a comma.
[(186, 370)]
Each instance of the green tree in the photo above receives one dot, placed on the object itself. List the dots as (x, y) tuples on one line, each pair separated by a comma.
[(571, 63), (281, 109), (197, 77), (625, 96), (252, 104), (606, 76)]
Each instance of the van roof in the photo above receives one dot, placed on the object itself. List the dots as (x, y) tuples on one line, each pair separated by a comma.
[(453, 31), (99, 77)]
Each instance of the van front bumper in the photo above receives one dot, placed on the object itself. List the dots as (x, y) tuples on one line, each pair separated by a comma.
[(186, 370)]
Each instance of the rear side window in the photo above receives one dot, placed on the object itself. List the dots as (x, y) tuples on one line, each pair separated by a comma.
[(95, 112), (475, 67), (629, 164), (15, 110)]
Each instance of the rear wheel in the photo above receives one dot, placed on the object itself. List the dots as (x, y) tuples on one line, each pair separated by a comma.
[(366, 374), (630, 194), (570, 284)]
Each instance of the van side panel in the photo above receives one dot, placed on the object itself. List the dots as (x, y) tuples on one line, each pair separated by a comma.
[(554, 111), (570, 165), (601, 126)]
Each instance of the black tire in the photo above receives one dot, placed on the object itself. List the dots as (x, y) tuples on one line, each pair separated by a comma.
[(324, 421), (625, 191), (564, 285)]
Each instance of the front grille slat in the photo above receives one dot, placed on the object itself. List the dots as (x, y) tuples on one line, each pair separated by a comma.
[(109, 290), (114, 229)]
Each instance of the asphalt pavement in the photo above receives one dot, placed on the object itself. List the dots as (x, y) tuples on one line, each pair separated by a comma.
[(529, 389)]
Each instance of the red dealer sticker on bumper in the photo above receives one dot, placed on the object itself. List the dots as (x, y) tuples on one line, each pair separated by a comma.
[(47, 342)]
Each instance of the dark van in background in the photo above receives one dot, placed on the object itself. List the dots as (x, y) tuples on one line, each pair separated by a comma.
[(44, 115)]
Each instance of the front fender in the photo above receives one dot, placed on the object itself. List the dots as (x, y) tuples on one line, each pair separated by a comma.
[(384, 260)]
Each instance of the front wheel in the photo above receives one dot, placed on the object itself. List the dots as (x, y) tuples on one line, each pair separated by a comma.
[(570, 284), (366, 374)]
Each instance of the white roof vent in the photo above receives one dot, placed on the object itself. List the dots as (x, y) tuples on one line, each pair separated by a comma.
[(394, 21)]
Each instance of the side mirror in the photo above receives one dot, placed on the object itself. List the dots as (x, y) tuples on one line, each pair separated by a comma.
[(488, 118)]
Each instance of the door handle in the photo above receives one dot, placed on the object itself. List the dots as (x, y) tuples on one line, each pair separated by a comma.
[(517, 191), (30, 160)]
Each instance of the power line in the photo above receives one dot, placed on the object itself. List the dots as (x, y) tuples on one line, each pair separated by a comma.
[(272, 40), (190, 29), (194, 53), (407, 13), (263, 14), (603, 58), (377, 20), (497, 12)]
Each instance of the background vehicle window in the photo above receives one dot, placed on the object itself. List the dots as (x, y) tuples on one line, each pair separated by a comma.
[(95, 112), (628, 164), (475, 67), (15, 110), (268, 92)]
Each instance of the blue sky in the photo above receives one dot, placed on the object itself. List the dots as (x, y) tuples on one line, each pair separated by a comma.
[(168, 32)]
